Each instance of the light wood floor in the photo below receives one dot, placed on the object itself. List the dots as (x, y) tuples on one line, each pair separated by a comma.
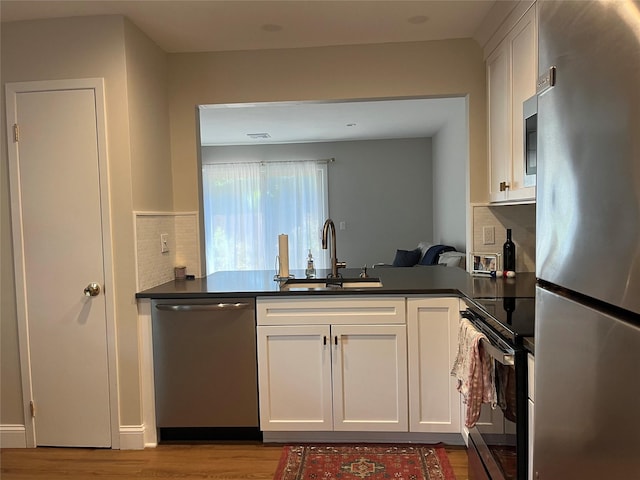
[(202, 461)]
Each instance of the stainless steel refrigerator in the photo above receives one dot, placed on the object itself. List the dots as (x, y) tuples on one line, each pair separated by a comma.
[(587, 343)]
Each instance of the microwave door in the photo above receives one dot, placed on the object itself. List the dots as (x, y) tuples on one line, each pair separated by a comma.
[(530, 113)]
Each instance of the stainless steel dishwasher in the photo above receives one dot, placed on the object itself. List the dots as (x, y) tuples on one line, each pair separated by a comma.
[(205, 369)]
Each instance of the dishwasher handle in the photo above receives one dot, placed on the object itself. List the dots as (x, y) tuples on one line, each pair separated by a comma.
[(205, 307)]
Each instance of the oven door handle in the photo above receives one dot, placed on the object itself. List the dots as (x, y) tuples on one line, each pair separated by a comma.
[(498, 355)]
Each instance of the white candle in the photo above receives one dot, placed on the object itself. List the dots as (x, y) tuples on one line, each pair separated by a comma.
[(283, 253)]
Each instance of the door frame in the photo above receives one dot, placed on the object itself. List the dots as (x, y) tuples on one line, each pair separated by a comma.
[(11, 92)]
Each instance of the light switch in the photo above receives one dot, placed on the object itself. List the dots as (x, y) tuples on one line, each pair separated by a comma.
[(164, 242), (488, 235), (343, 225)]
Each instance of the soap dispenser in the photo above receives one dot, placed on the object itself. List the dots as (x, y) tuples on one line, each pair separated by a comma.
[(310, 271)]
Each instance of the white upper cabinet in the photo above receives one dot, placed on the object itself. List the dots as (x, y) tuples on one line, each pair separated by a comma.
[(498, 110), (511, 79)]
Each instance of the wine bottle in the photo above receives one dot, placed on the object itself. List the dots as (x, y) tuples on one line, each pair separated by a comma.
[(509, 253)]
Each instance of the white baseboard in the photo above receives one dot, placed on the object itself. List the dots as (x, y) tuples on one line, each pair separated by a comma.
[(13, 436), (362, 437), (132, 437), (465, 436)]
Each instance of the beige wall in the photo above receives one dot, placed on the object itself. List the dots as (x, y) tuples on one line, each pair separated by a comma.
[(440, 68), (146, 66), (136, 105)]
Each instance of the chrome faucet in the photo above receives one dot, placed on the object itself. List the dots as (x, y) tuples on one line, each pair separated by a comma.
[(335, 264)]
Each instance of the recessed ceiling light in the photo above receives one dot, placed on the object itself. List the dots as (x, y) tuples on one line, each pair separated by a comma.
[(271, 27), (417, 19), (258, 135)]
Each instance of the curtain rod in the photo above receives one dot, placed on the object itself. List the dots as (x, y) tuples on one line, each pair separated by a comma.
[(262, 162)]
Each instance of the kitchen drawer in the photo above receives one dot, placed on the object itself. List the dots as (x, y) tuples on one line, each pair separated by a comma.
[(331, 310)]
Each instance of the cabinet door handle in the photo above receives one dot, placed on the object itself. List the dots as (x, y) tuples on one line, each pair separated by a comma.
[(504, 186), (336, 340), (324, 340)]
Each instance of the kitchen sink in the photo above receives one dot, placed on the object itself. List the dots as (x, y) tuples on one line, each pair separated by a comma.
[(331, 283)]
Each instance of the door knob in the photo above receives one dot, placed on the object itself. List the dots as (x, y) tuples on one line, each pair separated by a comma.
[(92, 290)]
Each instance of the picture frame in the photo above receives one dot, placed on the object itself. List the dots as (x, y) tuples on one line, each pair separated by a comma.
[(484, 263)]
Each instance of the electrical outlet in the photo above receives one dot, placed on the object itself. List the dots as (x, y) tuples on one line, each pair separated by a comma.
[(164, 242), (343, 225), (488, 235)]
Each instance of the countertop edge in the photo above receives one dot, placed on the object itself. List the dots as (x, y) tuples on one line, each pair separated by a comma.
[(349, 292)]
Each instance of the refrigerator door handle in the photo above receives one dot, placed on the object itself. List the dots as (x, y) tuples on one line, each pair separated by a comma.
[(546, 81)]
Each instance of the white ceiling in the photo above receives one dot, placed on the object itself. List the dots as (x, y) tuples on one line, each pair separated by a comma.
[(301, 122), (217, 25)]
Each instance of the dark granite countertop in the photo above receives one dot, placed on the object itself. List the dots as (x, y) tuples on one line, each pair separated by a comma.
[(429, 280), (523, 285), (434, 280)]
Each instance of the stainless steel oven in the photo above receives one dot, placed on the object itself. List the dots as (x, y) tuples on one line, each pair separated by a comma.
[(498, 442)]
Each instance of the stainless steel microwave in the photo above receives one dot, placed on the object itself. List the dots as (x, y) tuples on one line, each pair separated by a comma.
[(530, 113)]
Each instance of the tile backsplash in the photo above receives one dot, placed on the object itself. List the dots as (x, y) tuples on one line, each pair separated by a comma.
[(155, 267), (521, 219)]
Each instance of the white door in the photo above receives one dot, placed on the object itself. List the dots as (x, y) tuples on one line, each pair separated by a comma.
[(370, 378), (58, 240), (432, 326), (294, 378), (498, 116)]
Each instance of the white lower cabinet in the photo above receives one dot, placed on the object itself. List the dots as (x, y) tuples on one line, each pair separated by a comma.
[(432, 330), (294, 378), (332, 364), (370, 378)]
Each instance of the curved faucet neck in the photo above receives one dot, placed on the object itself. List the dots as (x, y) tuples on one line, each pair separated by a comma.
[(329, 225)]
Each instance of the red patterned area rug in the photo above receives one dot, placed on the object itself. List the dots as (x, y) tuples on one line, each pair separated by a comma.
[(364, 462)]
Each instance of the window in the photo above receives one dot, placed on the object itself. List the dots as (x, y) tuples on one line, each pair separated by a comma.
[(247, 205)]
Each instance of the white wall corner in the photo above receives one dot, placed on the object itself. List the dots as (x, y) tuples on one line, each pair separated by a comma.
[(146, 371), (13, 436), (132, 437), (150, 437)]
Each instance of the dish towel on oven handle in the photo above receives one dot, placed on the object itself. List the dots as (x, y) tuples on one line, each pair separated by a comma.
[(474, 371)]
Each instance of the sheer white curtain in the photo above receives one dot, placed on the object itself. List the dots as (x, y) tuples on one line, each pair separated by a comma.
[(247, 205)]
